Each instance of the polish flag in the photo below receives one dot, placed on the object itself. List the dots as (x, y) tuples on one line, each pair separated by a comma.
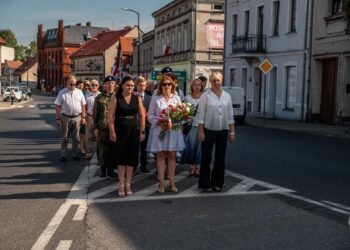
[(115, 70), (166, 50)]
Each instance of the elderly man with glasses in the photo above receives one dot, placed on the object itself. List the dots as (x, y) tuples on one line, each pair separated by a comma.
[(70, 113), (90, 135)]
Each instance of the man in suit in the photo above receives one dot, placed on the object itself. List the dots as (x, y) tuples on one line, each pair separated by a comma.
[(146, 100)]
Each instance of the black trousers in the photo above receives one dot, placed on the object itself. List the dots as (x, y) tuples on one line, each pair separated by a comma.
[(216, 178), (143, 153)]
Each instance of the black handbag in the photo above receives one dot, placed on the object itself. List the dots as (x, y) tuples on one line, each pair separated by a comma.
[(186, 127)]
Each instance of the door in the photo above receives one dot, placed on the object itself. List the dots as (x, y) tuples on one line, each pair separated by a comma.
[(257, 90), (329, 80)]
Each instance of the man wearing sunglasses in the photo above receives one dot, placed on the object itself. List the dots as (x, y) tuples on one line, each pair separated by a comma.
[(90, 135), (70, 113)]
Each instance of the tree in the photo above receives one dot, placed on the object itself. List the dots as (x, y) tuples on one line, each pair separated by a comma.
[(33, 48), (20, 52), (9, 36)]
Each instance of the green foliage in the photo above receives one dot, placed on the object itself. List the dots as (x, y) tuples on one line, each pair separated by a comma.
[(9, 36)]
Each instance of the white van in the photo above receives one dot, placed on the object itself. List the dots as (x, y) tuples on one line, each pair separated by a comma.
[(238, 102)]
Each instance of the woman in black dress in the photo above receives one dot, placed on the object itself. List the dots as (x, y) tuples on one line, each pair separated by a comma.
[(126, 118)]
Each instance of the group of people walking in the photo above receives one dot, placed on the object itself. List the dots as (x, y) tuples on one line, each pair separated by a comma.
[(123, 121)]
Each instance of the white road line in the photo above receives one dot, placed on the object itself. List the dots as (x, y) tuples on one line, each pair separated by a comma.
[(112, 188), (77, 196), (337, 205), (31, 106), (153, 188), (49, 231), (257, 182), (81, 211), (17, 180), (243, 186), (182, 196), (64, 245), (316, 203), (52, 106)]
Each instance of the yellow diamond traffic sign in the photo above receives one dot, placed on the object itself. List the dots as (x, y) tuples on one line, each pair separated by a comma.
[(265, 66)]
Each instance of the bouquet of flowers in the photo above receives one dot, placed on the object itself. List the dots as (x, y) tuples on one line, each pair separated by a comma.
[(173, 117)]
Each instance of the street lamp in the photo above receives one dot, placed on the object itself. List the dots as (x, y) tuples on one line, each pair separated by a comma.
[(138, 37)]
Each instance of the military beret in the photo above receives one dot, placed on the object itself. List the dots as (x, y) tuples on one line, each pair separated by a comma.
[(167, 70), (109, 78)]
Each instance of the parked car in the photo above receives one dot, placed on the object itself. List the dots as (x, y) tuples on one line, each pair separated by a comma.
[(18, 94), (25, 93), (25, 88), (238, 102)]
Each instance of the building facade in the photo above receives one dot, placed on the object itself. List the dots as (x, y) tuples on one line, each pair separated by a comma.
[(55, 47), (28, 71), (188, 37), (146, 55), (330, 84), (97, 57), (277, 30)]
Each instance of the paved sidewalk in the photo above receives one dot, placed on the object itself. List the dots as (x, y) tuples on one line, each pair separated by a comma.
[(7, 105), (340, 131)]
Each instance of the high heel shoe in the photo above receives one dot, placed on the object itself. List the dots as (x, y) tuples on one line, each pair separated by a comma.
[(128, 189), (173, 189), (121, 191), (160, 190)]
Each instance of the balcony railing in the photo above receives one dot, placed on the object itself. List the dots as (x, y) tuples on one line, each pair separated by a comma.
[(249, 44)]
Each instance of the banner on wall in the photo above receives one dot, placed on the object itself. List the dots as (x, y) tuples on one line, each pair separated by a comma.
[(215, 35)]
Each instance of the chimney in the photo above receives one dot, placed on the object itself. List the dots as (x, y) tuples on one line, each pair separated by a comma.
[(40, 35), (78, 24), (127, 27), (60, 24), (88, 24), (60, 33)]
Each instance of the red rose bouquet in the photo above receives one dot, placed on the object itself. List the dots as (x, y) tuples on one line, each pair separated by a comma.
[(173, 117)]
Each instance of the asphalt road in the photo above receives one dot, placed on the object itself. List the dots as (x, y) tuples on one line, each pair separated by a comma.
[(283, 190)]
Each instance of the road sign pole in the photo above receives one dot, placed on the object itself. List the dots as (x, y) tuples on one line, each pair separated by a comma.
[(264, 97)]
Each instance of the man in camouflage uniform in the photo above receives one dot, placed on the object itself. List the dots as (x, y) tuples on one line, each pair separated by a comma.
[(101, 125)]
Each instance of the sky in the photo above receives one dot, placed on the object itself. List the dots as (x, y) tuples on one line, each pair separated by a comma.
[(23, 16)]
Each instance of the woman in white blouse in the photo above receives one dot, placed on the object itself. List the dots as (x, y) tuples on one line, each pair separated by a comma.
[(173, 140), (216, 124)]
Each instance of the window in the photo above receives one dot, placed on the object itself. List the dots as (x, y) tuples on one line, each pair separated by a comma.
[(157, 45), (173, 47), (233, 78), (275, 18), (336, 6), (234, 25), (293, 16), (218, 7), (246, 22), (179, 40), (185, 41), (291, 87)]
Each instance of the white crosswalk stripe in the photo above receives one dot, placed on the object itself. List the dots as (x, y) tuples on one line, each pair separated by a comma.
[(237, 185)]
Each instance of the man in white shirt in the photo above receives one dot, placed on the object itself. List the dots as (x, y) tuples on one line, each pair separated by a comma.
[(70, 113), (90, 135)]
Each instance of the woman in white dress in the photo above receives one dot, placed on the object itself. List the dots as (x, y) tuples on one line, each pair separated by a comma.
[(192, 153), (173, 140)]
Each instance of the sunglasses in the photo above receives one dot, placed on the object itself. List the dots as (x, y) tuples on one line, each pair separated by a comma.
[(94, 85), (72, 84), (166, 84)]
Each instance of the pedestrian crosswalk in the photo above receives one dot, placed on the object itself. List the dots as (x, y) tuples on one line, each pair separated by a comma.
[(103, 190)]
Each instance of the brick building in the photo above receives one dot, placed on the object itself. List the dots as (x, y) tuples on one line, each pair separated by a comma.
[(55, 46), (97, 57)]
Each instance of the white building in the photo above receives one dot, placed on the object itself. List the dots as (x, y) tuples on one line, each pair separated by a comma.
[(279, 31), (6, 53), (189, 38), (330, 85)]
